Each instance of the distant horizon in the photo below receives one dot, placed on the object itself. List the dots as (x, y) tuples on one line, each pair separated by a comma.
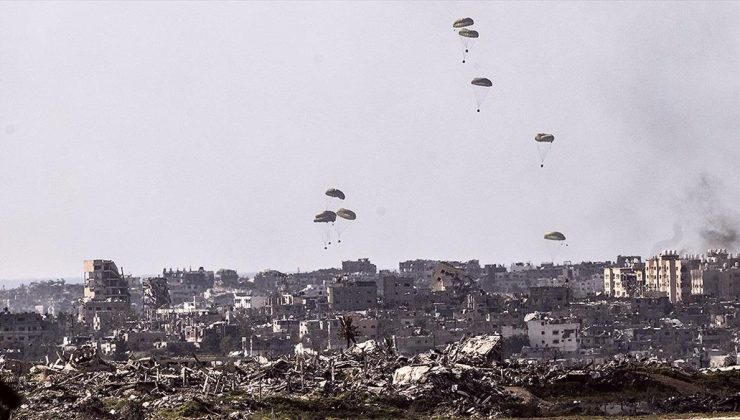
[(78, 279)]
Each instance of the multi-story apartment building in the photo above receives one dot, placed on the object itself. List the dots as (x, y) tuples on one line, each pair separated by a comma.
[(184, 285), (361, 266), (398, 291), (626, 279), (106, 294), (548, 298), (718, 276), (560, 334), (104, 282), (669, 274), (24, 330), (353, 295)]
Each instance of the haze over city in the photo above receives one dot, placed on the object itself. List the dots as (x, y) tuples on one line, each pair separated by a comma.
[(186, 134), (360, 209)]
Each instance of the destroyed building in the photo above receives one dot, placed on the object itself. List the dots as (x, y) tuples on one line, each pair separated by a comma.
[(361, 266), (184, 285), (541, 312), (561, 335), (717, 276), (24, 332), (425, 272), (269, 280), (106, 295), (353, 295), (156, 293), (548, 298), (625, 281)]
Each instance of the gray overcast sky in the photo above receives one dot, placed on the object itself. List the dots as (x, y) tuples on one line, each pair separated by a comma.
[(186, 134)]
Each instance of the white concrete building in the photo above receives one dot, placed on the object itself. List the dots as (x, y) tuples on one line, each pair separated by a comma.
[(553, 333), (244, 301), (582, 287)]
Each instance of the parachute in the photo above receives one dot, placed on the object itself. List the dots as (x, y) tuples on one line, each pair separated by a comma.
[(333, 192), (480, 89), (325, 216), (461, 23), (346, 214), (482, 81), (467, 38), (555, 242), (345, 218), (468, 33), (333, 197), (544, 143), (544, 138), (325, 221), (554, 236)]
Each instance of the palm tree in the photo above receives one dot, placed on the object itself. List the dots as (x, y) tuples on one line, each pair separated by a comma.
[(347, 331)]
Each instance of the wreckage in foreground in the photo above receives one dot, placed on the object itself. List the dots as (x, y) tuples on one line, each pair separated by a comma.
[(367, 380)]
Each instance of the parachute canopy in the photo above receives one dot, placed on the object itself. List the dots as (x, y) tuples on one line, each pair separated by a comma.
[(333, 192), (325, 217), (468, 33), (544, 138), (554, 236), (461, 23), (482, 81), (346, 214)]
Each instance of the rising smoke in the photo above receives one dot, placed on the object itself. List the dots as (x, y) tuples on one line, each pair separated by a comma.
[(676, 94), (710, 221), (720, 224)]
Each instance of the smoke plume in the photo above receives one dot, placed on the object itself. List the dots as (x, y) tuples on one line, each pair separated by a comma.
[(719, 225)]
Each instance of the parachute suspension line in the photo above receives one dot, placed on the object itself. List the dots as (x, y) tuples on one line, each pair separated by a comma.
[(339, 229), (480, 96), (324, 235), (555, 251), (466, 45), (332, 228), (543, 149), (338, 232)]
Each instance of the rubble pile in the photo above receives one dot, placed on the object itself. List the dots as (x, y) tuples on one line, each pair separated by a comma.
[(367, 380), (84, 385)]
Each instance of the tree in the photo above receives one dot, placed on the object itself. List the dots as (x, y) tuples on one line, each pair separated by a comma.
[(347, 331)]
